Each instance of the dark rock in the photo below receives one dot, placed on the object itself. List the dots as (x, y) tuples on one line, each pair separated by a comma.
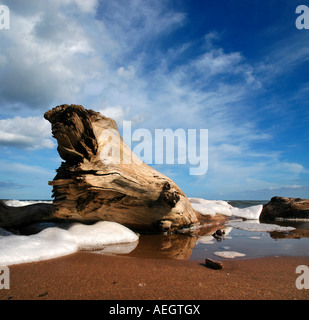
[(15, 217), (219, 233), (213, 264), (288, 208)]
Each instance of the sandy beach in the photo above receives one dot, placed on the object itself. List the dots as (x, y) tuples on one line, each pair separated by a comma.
[(89, 276)]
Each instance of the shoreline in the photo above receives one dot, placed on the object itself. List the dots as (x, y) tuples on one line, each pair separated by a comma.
[(89, 276)]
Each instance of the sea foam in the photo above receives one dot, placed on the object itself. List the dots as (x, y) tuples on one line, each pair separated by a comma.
[(55, 242), (255, 225), (229, 254), (213, 207), (22, 203), (49, 243), (101, 233)]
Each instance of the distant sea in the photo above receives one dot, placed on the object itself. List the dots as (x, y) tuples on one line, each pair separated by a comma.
[(246, 203), (234, 203)]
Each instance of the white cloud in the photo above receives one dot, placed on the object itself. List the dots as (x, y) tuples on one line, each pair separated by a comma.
[(216, 61), (88, 6), (286, 187), (118, 113), (28, 133), (31, 7), (18, 169), (294, 167), (126, 74), (48, 58), (136, 23)]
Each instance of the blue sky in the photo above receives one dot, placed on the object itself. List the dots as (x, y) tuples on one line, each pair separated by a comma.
[(237, 68)]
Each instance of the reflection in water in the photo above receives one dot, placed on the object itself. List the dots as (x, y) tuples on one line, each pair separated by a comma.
[(171, 246), (166, 246), (155, 246), (177, 246), (213, 238), (120, 248), (202, 243), (301, 230)]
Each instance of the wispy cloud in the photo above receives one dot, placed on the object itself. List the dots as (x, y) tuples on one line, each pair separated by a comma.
[(11, 185), (293, 191), (24, 181), (20, 169), (285, 55)]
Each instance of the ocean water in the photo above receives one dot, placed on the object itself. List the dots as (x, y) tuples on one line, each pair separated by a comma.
[(246, 203), (254, 244), (245, 237)]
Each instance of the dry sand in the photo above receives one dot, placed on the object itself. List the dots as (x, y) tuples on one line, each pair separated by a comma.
[(92, 276)]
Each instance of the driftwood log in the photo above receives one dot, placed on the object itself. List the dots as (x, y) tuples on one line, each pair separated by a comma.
[(102, 179)]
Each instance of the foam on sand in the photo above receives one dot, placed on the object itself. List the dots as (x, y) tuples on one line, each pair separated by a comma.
[(55, 242), (213, 207), (49, 243), (101, 233)]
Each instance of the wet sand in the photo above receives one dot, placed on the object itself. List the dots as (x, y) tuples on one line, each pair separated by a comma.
[(93, 276)]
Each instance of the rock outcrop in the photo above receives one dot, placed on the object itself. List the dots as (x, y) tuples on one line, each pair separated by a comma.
[(14, 217), (288, 208), (102, 179)]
